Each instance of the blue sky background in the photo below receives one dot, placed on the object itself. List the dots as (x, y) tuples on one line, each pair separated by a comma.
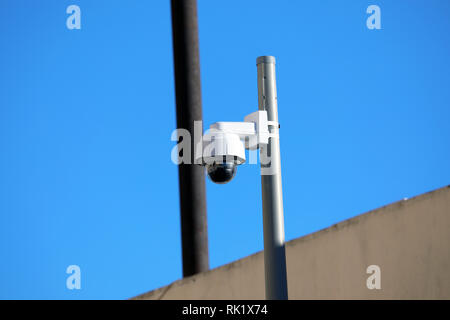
[(86, 117)]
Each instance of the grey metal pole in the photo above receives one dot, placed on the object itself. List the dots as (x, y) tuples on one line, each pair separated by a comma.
[(272, 197)]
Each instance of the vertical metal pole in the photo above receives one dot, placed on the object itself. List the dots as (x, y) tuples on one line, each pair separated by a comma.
[(189, 109), (273, 220)]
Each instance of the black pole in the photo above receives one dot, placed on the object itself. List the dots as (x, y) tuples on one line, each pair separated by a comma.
[(194, 233)]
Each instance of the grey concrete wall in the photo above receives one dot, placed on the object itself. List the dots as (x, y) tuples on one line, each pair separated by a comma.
[(409, 240)]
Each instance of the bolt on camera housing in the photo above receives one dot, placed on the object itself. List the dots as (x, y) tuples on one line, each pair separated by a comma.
[(224, 144)]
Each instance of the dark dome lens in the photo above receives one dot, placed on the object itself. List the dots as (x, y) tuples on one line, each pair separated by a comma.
[(221, 172)]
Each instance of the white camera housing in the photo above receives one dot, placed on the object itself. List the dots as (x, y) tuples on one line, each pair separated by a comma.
[(224, 144)]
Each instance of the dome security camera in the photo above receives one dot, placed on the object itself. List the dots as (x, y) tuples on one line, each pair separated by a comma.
[(225, 142), (223, 152)]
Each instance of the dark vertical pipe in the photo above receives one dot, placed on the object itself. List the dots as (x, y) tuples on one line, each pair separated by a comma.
[(194, 233)]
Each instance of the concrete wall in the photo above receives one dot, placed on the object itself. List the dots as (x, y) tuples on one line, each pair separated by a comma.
[(409, 240)]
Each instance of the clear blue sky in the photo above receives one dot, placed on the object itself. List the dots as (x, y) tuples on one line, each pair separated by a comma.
[(86, 117)]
